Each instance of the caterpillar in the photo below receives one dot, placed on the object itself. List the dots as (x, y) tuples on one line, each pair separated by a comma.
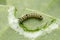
[(30, 15)]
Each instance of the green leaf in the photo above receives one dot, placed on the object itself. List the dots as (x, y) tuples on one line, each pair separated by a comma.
[(50, 7)]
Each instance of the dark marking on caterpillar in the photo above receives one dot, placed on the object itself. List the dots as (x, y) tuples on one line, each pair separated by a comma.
[(31, 15)]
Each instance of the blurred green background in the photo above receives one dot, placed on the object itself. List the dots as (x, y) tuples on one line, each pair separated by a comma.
[(50, 7)]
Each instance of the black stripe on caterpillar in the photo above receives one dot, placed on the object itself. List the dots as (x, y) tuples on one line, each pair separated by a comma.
[(30, 15)]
